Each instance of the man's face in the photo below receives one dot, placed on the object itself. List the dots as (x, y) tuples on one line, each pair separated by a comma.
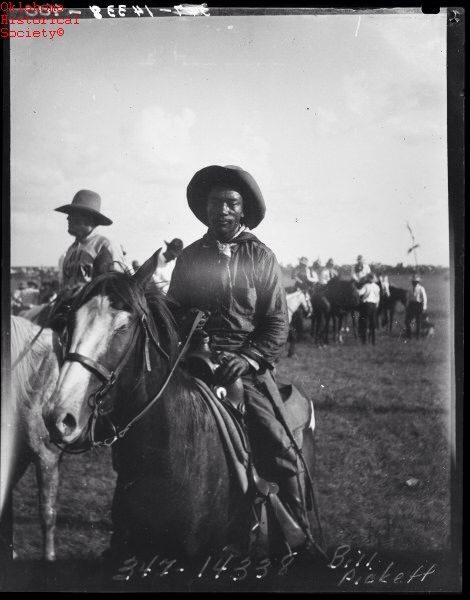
[(79, 224), (224, 212)]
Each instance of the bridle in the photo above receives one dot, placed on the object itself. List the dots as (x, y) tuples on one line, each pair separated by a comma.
[(109, 377)]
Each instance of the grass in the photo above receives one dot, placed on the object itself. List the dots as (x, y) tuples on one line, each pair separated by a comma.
[(382, 418)]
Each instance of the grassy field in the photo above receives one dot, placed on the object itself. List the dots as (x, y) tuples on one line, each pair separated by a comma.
[(382, 418)]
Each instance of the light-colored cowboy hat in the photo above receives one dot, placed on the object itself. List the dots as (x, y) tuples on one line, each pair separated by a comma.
[(88, 202), (415, 278), (241, 181)]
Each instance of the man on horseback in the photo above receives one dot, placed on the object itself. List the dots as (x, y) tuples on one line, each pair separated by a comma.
[(233, 276), (166, 264), (303, 276), (91, 253), (360, 271)]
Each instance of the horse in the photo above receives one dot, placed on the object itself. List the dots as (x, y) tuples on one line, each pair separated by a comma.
[(298, 306), (388, 304), (33, 378), (176, 493), (343, 298), (320, 314)]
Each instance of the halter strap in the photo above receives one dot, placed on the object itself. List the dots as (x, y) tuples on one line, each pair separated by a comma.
[(107, 376), (99, 370)]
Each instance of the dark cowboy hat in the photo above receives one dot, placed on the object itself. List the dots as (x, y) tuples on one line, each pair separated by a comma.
[(199, 187), (88, 202), (176, 245)]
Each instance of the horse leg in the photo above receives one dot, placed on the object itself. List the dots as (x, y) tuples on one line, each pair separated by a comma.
[(47, 475), (340, 328), (329, 319), (353, 321), (391, 317)]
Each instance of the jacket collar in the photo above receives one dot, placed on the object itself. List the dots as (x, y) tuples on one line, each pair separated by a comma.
[(209, 241)]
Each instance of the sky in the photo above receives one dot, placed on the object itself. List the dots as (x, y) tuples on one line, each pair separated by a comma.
[(341, 120)]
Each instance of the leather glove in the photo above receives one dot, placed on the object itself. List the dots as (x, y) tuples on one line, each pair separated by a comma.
[(232, 366)]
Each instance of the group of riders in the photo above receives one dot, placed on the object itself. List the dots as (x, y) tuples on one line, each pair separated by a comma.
[(368, 289), (373, 293), (305, 276)]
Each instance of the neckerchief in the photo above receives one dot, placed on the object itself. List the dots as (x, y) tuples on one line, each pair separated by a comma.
[(225, 250)]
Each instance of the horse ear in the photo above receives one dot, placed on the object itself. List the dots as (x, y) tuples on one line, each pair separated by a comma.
[(145, 272)]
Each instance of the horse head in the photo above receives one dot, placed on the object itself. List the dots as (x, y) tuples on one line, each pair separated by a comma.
[(109, 324)]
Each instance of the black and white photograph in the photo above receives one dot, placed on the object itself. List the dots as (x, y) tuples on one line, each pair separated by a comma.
[(232, 274)]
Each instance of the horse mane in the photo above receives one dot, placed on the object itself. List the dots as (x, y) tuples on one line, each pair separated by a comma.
[(125, 293), (28, 375)]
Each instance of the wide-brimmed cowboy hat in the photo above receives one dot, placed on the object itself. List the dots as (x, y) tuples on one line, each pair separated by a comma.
[(176, 245), (89, 202), (241, 181), (303, 260), (415, 278)]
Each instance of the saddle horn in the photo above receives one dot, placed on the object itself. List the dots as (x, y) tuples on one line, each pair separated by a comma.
[(145, 272)]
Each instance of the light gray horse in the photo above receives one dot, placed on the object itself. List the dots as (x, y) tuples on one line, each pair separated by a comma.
[(33, 380)]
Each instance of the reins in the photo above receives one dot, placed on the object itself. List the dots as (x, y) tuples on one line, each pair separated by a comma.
[(121, 433)]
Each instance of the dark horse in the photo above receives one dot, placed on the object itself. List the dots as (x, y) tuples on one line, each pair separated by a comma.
[(343, 298), (176, 492), (321, 309), (388, 304)]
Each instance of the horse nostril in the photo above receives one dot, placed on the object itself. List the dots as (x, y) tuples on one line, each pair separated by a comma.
[(67, 425)]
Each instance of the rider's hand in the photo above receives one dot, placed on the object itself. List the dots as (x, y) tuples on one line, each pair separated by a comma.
[(232, 367)]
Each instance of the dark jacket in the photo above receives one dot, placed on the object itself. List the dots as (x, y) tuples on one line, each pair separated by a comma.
[(243, 293)]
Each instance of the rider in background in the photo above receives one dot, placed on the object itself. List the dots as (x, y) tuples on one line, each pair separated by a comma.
[(166, 264), (417, 306), (328, 272), (359, 271), (26, 296), (370, 298), (303, 276), (91, 253)]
